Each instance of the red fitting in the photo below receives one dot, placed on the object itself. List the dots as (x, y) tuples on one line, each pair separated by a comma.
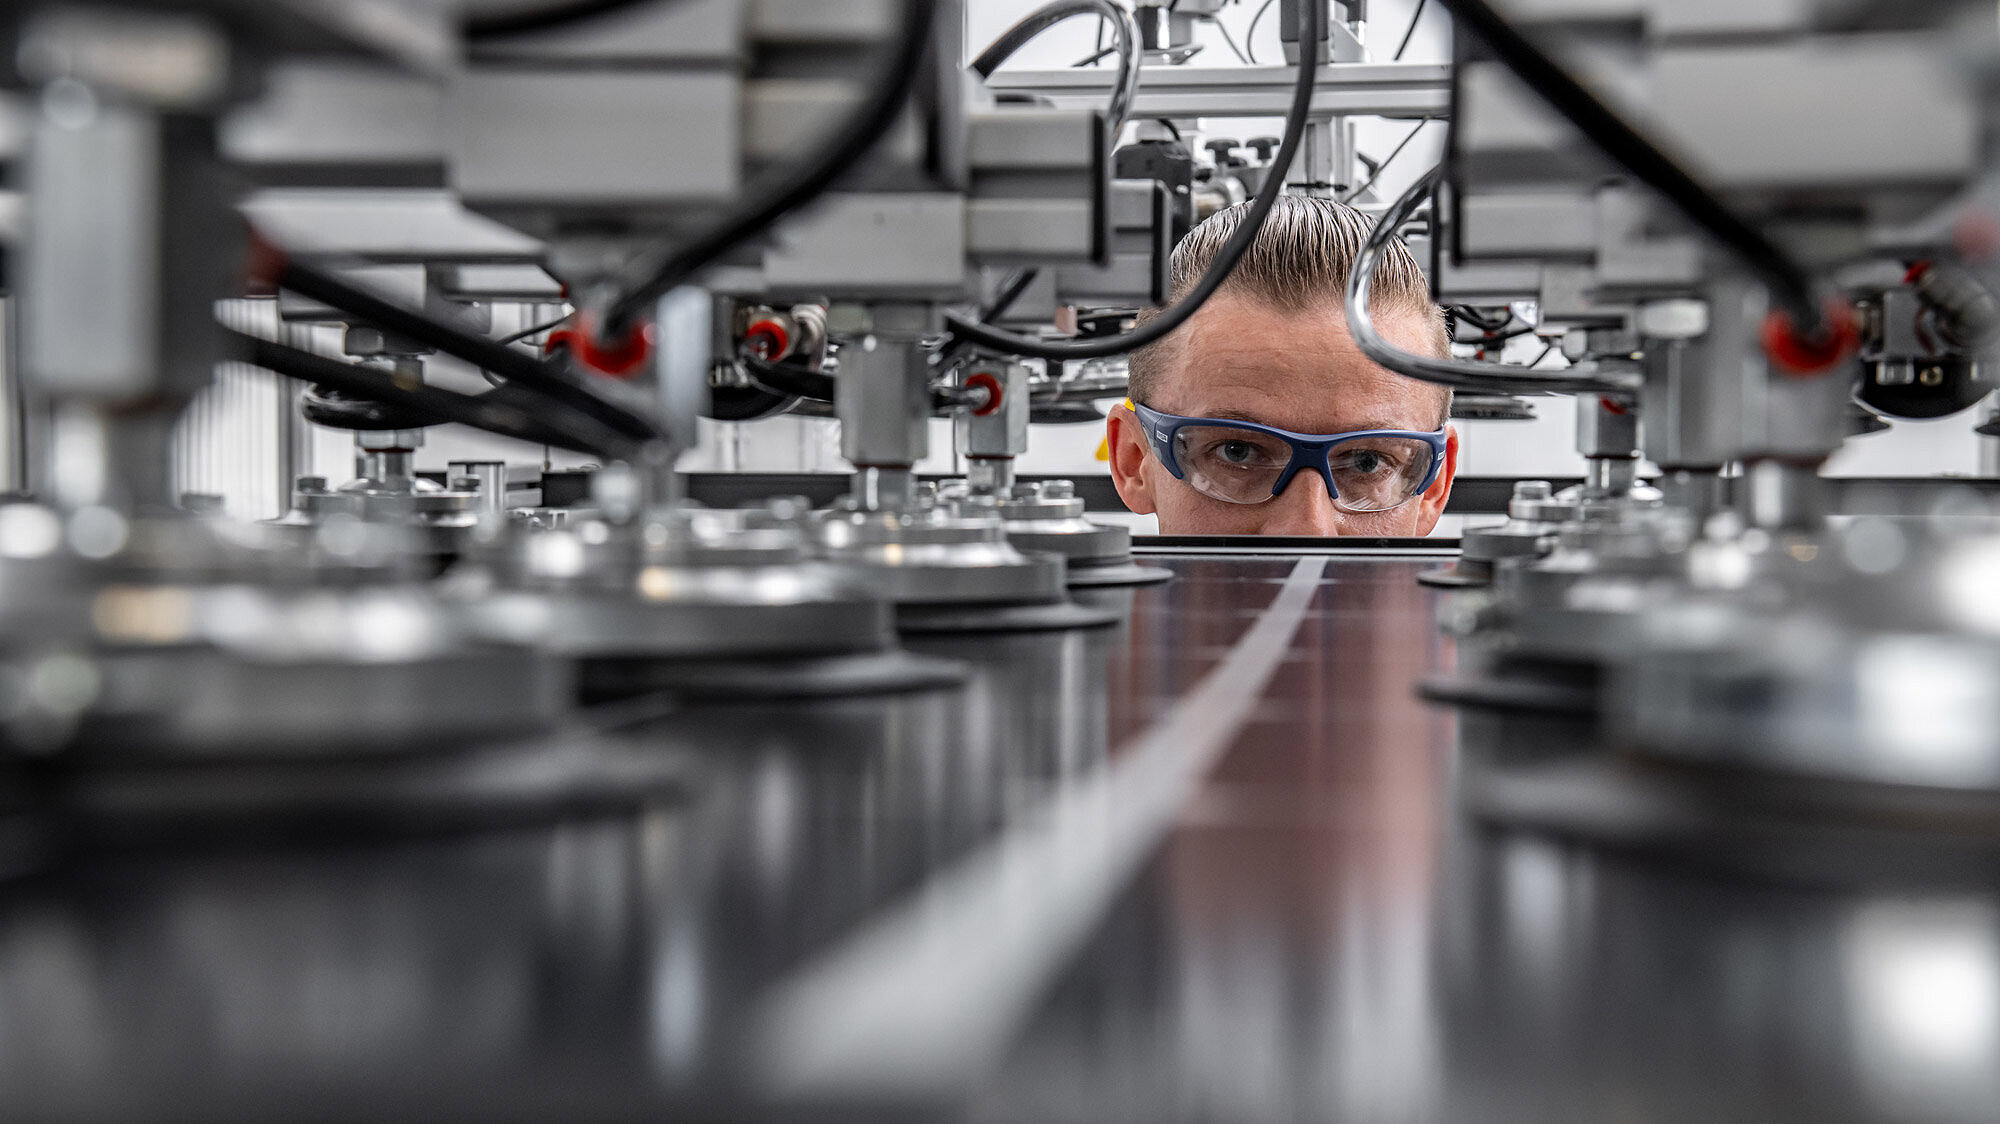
[(1613, 407), (1916, 272), (767, 339), (992, 385), (619, 360), (1799, 355)]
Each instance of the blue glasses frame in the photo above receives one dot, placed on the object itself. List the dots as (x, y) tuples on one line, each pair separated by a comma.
[(1309, 450)]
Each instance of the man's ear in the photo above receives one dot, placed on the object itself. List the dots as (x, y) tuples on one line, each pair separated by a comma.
[(1432, 504), (1129, 453)]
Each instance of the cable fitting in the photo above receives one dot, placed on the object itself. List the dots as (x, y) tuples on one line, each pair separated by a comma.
[(1803, 356)]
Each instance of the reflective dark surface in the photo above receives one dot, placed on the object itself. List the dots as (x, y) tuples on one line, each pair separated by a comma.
[(1320, 935)]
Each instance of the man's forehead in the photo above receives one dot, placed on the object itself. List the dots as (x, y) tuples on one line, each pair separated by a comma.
[(1246, 361), (1237, 413)]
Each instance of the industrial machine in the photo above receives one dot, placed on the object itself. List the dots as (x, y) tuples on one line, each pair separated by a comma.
[(528, 771)]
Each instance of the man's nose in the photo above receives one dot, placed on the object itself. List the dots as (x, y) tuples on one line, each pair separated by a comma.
[(1305, 507)]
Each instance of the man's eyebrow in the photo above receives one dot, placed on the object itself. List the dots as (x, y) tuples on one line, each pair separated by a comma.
[(1230, 413)]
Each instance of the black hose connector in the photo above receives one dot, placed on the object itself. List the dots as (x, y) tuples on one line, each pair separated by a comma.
[(1964, 310), (334, 409)]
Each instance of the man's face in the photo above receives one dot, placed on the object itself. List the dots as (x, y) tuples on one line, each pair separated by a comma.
[(1299, 371)]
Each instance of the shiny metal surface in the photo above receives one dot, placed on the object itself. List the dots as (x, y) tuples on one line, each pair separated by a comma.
[(932, 558), (1309, 929)]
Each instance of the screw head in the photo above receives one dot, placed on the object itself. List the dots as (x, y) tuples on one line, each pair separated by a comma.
[(313, 485)]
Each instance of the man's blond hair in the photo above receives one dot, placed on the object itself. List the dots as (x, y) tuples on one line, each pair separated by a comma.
[(1300, 261)]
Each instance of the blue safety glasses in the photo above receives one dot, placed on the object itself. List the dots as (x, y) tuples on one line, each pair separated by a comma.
[(1243, 462)]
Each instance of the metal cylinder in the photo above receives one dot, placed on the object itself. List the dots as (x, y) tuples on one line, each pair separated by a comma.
[(1610, 476), (1698, 492), (492, 483), (1606, 428), (877, 488), (990, 475), (883, 393), (1690, 413), (1785, 497)]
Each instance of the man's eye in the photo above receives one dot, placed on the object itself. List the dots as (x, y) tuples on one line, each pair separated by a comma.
[(1367, 462), (1236, 452)]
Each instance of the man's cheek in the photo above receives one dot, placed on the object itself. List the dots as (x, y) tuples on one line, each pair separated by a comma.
[(1400, 523), (1188, 512)]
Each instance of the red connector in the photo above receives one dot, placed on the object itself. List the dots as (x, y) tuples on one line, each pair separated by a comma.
[(991, 385), (619, 360), (768, 339), (1803, 356)]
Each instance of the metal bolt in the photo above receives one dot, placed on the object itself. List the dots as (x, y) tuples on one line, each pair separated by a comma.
[(1059, 490), (1931, 376), (312, 485), (463, 484), (1532, 490)]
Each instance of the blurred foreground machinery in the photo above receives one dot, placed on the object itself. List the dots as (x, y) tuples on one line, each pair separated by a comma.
[(474, 217), (1742, 234), (482, 218), (1722, 658)]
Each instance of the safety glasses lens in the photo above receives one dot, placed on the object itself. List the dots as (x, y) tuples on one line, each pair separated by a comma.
[(1378, 473), (1230, 464)]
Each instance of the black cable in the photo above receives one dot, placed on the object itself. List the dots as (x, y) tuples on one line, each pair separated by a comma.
[(537, 330), (1790, 283), (1593, 377), (1490, 336), (746, 403), (1009, 293), (1171, 127), (1386, 160), (1537, 360), (1231, 40), (538, 422), (1250, 36), (960, 328), (788, 380), (525, 20), (765, 203), (1409, 31), (495, 380), (527, 371), (1124, 40), (335, 409), (1472, 316)]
